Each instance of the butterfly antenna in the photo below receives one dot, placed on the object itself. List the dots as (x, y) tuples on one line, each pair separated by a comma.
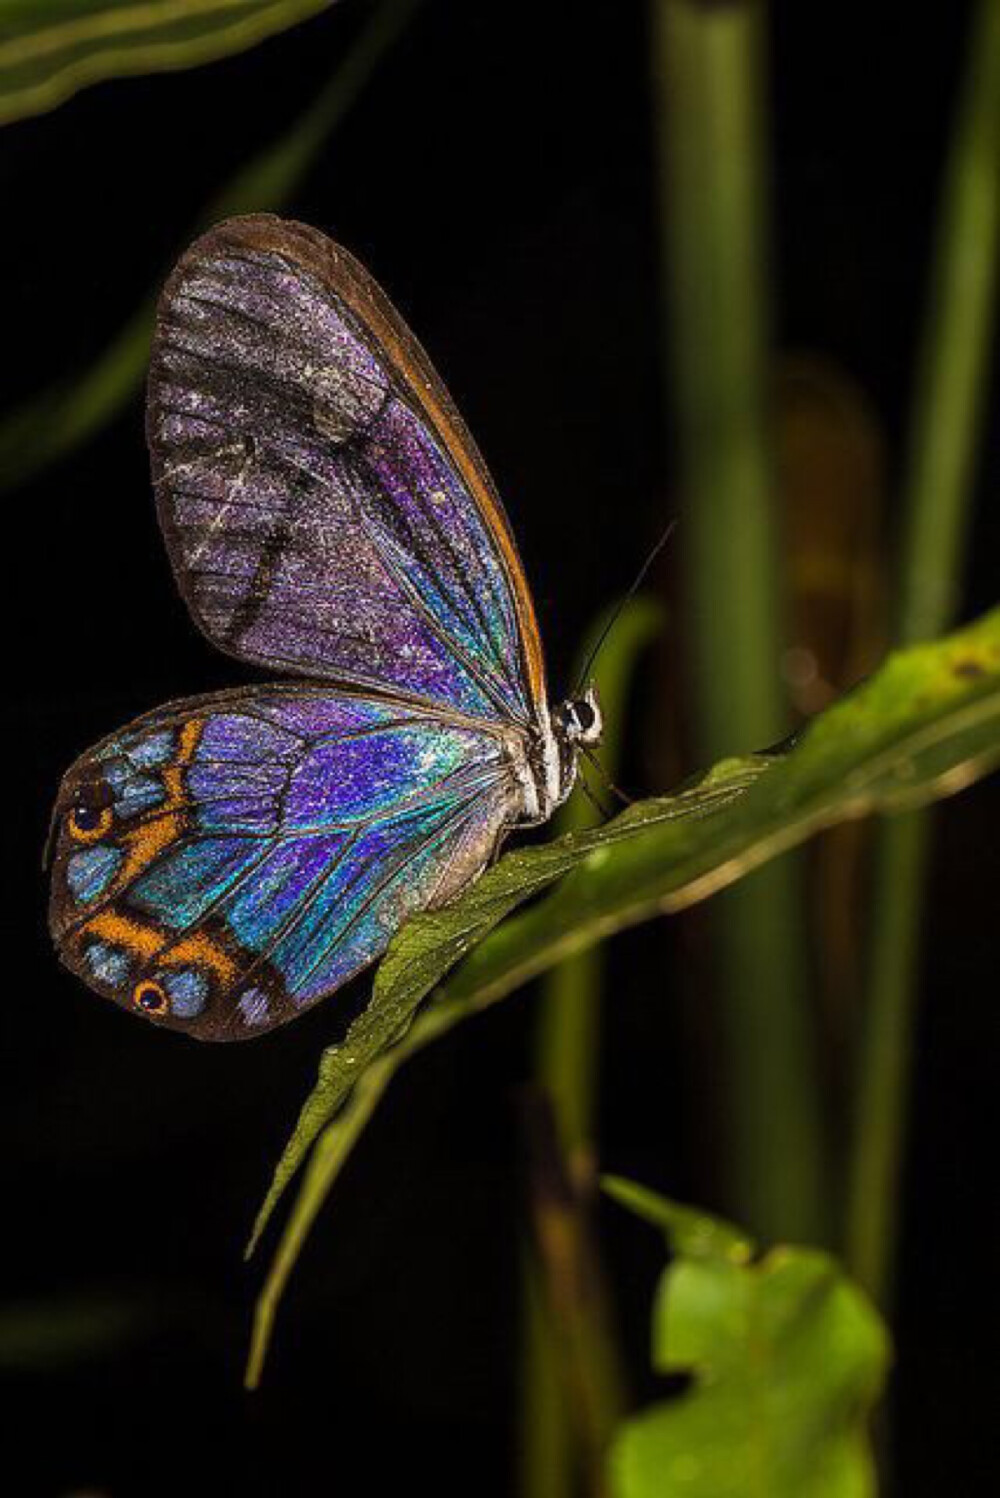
[(605, 777), (626, 598)]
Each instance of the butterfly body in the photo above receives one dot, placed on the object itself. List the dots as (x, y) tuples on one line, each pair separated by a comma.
[(226, 861)]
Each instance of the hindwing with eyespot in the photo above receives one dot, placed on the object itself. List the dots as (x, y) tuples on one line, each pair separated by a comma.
[(223, 863)]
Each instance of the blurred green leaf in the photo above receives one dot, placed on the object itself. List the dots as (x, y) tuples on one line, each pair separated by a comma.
[(787, 1358), (49, 49), (51, 424), (688, 1230), (926, 724)]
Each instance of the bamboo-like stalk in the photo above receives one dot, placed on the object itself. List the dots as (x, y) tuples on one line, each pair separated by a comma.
[(568, 1041), (948, 407), (712, 137), (547, 1453), (567, 1069)]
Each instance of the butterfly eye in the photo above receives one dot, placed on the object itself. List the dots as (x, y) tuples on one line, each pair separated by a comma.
[(577, 717), (150, 998)]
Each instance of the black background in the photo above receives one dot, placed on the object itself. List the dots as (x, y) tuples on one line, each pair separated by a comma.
[(497, 177)]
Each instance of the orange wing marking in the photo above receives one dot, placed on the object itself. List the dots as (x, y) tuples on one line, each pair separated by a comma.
[(149, 840), (145, 940)]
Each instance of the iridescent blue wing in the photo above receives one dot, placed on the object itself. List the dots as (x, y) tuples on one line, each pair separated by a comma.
[(225, 862), (325, 509)]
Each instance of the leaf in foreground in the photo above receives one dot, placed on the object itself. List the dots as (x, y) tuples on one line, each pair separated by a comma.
[(786, 1358), (926, 724)]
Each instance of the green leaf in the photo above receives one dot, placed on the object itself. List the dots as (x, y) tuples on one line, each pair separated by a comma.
[(49, 49), (787, 1358), (429, 945), (51, 424), (688, 1230), (926, 724)]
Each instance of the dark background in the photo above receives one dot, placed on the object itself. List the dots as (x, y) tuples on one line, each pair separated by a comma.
[(497, 177)]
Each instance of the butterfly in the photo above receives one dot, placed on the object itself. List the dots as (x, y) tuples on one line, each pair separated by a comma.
[(225, 862)]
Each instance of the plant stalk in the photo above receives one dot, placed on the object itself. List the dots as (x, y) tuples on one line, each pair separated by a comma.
[(567, 1070), (712, 138), (946, 423)]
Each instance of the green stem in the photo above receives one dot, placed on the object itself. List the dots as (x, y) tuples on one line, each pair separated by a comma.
[(949, 402), (547, 1455), (568, 1041), (567, 1053), (714, 193)]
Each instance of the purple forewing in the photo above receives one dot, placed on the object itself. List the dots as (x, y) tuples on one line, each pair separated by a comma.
[(315, 521)]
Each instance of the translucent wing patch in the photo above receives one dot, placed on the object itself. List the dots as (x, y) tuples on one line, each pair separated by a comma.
[(325, 510), (224, 863)]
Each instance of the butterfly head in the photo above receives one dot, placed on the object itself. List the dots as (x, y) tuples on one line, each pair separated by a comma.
[(577, 725), (578, 721)]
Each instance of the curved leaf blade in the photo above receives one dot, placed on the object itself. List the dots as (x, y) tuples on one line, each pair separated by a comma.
[(424, 950), (49, 52), (925, 725)]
